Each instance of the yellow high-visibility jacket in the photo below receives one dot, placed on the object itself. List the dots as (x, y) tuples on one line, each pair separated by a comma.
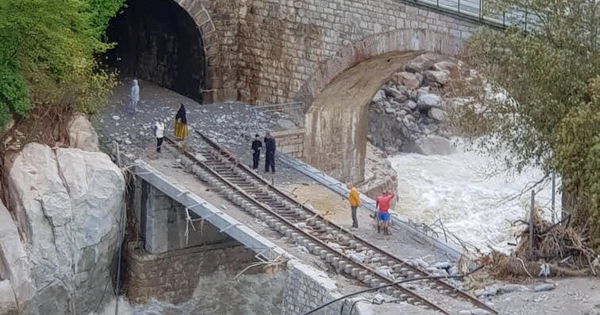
[(353, 198)]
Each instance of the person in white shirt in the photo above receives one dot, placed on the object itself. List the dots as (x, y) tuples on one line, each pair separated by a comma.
[(134, 97), (159, 133)]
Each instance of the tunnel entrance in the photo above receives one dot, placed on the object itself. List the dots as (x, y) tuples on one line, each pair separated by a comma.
[(158, 41)]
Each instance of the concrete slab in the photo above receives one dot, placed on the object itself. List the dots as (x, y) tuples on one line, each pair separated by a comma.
[(261, 246)]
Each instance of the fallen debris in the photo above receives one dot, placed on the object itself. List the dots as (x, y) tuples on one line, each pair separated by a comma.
[(557, 251)]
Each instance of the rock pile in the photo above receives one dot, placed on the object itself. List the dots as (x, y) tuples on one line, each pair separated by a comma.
[(409, 112)]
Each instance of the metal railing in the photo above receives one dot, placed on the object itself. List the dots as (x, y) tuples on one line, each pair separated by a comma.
[(475, 11), (293, 111)]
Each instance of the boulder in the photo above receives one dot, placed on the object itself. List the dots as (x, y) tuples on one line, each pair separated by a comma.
[(437, 78), (430, 145), (445, 66), (82, 135), (437, 114), (67, 206), (419, 64), (427, 101), (407, 79), (392, 92), (8, 305), (411, 104), (379, 97), (14, 263)]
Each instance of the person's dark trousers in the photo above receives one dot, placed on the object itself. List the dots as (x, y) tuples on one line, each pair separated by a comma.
[(159, 142), (354, 219), (255, 159), (270, 161)]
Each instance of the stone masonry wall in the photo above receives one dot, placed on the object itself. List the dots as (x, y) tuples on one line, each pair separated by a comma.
[(307, 289), (290, 142), (173, 276), (282, 43), (218, 25)]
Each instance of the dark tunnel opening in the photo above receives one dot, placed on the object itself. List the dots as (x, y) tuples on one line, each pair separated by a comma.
[(158, 41)]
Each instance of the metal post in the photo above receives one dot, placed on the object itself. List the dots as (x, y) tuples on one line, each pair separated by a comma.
[(504, 19), (480, 9), (525, 19), (531, 224), (458, 6), (553, 198)]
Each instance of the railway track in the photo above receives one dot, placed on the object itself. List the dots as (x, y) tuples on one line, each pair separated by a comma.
[(332, 243)]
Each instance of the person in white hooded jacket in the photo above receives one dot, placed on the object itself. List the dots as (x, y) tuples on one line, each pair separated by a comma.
[(134, 97), (159, 133)]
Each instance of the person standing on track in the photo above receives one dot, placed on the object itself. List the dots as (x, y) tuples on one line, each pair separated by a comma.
[(354, 200), (181, 129), (256, 145), (270, 147), (383, 215), (159, 133)]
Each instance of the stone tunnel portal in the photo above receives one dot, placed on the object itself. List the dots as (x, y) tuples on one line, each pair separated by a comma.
[(158, 41)]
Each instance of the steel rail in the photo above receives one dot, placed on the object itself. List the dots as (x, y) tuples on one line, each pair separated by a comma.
[(452, 291)]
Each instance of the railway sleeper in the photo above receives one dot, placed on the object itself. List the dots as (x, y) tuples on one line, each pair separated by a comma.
[(340, 264)]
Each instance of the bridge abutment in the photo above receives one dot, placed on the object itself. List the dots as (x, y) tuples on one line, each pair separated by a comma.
[(164, 226)]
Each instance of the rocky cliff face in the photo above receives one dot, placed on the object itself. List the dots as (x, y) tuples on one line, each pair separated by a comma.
[(57, 249), (409, 112)]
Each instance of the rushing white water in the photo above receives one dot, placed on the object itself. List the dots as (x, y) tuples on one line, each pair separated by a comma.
[(457, 189)]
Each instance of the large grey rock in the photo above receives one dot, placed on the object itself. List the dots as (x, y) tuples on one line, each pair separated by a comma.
[(437, 114), (427, 101), (82, 135), (379, 97), (430, 145), (67, 207), (437, 78), (409, 80), (14, 263), (8, 305), (445, 66)]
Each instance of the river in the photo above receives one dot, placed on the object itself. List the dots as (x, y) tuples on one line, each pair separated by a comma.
[(469, 194)]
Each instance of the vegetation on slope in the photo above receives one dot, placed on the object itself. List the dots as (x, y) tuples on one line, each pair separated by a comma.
[(47, 56), (553, 74)]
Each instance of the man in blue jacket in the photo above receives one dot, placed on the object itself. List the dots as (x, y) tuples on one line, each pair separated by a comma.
[(270, 147), (256, 145)]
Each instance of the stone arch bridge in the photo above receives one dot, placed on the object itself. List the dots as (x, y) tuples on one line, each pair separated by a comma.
[(277, 51)]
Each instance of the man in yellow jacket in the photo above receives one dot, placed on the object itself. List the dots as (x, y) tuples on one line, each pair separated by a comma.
[(354, 203)]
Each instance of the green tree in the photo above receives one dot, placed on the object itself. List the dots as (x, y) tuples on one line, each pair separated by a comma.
[(550, 71), (47, 56)]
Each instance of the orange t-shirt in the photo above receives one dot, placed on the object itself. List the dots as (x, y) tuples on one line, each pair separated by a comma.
[(383, 202)]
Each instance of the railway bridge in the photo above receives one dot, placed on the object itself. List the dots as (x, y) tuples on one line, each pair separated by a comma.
[(215, 215)]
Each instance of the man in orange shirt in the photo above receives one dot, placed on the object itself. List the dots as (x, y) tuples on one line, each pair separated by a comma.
[(354, 200), (383, 216)]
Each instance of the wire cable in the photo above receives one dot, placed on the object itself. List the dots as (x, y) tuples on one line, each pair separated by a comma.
[(389, 285), (353, 304)]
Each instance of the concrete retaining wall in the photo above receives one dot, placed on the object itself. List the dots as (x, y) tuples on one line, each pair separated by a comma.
[(290, 142)]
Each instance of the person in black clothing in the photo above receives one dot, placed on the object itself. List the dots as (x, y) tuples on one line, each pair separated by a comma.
[(270, 154), (256, 145)]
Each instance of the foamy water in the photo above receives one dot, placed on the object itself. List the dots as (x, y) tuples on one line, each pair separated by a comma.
[(458, 190)]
